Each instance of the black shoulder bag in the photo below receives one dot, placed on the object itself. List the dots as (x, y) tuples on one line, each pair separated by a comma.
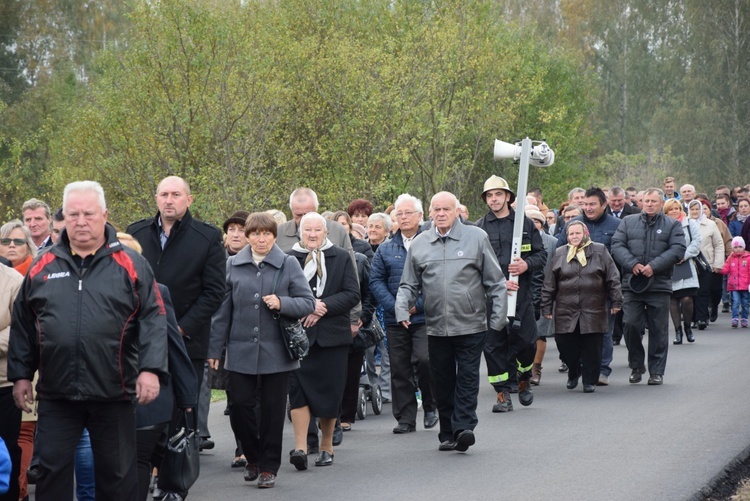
[(295, 337), (701, 263), (181, 464)]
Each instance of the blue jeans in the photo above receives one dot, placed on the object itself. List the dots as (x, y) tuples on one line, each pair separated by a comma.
[(740, 299), (85, 468)]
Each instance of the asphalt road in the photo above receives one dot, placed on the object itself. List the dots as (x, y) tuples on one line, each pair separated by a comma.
[(622, 442)]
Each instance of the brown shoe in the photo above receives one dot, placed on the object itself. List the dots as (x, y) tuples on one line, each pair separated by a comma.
[(536, 374), (266, 480), (504, 403)]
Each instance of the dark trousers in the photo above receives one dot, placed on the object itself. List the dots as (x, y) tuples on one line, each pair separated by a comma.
[(651, 307), (617, 332), (405, 347), (500, 345), (709, 295), (10, 427), (582, 353), (454, 361), (351, 389), (146, 442), (259, 431), (112, 429)]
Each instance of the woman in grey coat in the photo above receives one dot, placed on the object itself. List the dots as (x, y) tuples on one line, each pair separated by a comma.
[(256, 357), (685, 276)]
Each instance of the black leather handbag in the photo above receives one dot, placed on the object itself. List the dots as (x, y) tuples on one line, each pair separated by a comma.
[(368, 335), (181, 464), (295, 337)]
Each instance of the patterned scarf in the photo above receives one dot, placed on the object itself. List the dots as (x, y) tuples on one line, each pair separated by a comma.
[(315, 264)]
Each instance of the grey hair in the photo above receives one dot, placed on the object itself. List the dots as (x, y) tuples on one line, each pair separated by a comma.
[(303, 192), (79, 186), (452, 196), (34, 204), (616, 191), (310, 216), (574, 191), (11, 225), (687, 186), (659, 191), (405, 197), (381, 216)]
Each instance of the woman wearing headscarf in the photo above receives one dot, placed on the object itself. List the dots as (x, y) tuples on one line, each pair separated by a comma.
[(262, 281), (712, 248), (581, 278), (318, 386), (685, 276)]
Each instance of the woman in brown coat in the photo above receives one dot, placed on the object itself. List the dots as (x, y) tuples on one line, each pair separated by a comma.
[(581, 278)]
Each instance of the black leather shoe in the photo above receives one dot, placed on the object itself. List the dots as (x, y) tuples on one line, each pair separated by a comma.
[(338, 435), (702, 325), (158, 493), (404, 428), (656, 380), (563, 367), (588, 388), (572, 384), (636, 375), (324, 459), (312, 449), (430, 419), (206, 444), (464, 440), (714, 315), (447, 445), (677, 336), (298, 458), (251, 472)]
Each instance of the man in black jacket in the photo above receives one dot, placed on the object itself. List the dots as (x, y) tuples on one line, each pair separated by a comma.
[(187, 255), (647, 246), (90, 319)]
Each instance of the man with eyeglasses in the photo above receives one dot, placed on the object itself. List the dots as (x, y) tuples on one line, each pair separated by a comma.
[(404, 343)]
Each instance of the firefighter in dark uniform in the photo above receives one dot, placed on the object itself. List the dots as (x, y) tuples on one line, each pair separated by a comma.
[(520, 335)]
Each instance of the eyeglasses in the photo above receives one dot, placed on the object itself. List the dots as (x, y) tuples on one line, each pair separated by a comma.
[(18, 241), (406, 213)]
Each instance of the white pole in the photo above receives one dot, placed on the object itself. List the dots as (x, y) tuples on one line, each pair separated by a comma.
[(523, 181)]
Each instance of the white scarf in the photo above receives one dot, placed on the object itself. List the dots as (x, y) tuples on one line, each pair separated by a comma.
[(315, 264)]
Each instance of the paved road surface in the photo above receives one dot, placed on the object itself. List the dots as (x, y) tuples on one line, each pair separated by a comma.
[(623, 442)]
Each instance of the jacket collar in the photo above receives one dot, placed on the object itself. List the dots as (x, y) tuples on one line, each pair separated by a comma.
[(275, 258), (492, 217), (399, 238), (454, 234), (111, 243), (184, 222)]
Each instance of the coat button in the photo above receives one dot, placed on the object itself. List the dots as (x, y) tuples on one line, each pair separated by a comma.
[(257, 274), (255, 329), (256, 306), (262, 265), (257, 295), (255, 340)]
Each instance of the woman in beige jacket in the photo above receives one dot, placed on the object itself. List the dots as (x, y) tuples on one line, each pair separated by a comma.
[(712, 248)]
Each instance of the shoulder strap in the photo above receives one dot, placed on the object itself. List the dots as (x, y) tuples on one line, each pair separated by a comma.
[(278, 276)]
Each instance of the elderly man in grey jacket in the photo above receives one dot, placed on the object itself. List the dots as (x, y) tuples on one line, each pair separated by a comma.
[(454, 267), (647, 246)]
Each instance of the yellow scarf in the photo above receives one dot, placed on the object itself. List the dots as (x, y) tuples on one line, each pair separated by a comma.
[(578, 252)]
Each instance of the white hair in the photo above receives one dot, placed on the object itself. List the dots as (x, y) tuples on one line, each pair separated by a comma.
[(453, 197), (81, 186), (312, 216), (303, 193), (405, 197), (380, 216)]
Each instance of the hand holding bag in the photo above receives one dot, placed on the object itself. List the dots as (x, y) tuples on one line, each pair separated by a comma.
[(701, 263), (295, 336), (181, 464), (368, 335)]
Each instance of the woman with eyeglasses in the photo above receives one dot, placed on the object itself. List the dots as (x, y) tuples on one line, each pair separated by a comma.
[(17, 246)]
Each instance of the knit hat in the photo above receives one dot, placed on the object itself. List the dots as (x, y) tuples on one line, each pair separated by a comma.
[(738, 242), (535, 215), (239, 217)]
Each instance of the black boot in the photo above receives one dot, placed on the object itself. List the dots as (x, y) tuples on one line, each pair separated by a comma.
[(677, 336), (689, 333)]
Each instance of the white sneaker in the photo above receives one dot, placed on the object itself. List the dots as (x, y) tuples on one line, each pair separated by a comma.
[(603, 380)]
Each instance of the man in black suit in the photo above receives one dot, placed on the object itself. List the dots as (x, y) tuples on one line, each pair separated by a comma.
[(617, 206)]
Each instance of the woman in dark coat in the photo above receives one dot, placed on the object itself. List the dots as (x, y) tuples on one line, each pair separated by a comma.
[(152, 419), (317, 387), (256, 358), (582, 277)]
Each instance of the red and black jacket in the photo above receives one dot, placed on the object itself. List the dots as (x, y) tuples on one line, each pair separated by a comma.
[(89, 335)]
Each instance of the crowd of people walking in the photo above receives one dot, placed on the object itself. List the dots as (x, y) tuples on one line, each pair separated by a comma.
[(107, 337)]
